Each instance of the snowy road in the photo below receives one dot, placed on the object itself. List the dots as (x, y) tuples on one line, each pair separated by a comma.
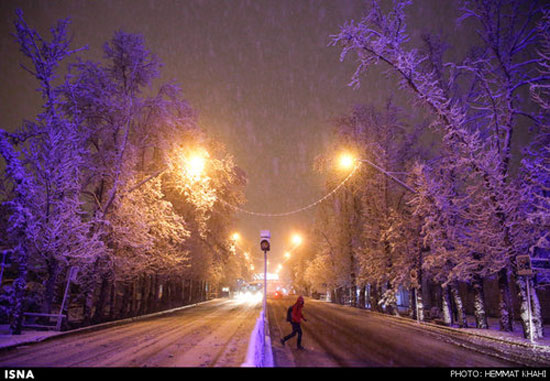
[(339, 336), (208, 335)]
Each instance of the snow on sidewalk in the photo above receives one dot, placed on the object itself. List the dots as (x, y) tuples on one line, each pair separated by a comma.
[(516, 336), (26, 337)]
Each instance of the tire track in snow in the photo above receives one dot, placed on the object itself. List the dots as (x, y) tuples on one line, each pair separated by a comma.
[(220, 345), (145, 342), (353, 337)]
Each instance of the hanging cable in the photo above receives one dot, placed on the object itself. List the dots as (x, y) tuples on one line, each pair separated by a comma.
[(309, 206)]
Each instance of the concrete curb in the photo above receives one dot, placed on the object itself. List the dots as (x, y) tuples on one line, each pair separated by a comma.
[(100, 326)]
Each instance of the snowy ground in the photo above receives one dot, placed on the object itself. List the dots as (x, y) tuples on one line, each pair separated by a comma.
[(209, 335), (344, 336), (515, 336)]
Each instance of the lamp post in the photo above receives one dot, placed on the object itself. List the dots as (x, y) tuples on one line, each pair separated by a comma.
[(265, 237), (348, 161)]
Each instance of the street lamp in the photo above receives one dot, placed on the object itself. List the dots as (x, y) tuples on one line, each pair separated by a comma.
[(297, 239), (194, 166), (265, 245), (347, 162)]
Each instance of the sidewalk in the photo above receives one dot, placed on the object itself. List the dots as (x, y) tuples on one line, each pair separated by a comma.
[(516, 336)]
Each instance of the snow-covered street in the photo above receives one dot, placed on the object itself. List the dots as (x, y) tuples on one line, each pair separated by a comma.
[(217, 333), (340, 336), (213, 334)]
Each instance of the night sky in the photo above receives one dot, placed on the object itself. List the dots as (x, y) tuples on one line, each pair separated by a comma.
[(259, 73)]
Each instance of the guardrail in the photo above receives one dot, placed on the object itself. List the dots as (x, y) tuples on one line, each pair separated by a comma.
[(259, 352), (58, 319)]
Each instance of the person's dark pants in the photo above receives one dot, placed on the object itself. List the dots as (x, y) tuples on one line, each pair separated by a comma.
[(296, 329)]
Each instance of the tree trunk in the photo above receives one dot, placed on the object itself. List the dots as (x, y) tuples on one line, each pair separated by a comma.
[(203, 291), (537, 313), (333, 295), (101, 301), (504, 304), (131, 304), (522, 284), (479, 304), (353, 294), (18, 302), (145, 291), (461, 312), (112, 300), (49, 286), (391, 302), (446, 306), (419, 304), (362, 300), (135, 300), (185, 296), (412, 303), (374, 297), (89, 305), (337, 298)]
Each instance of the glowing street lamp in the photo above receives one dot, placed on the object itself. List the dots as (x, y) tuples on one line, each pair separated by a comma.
[(236, 237), (195, 164), (297, 239), (287, 255), (347, 161)]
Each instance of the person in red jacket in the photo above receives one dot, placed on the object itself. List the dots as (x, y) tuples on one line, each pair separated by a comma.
[(297, 317)]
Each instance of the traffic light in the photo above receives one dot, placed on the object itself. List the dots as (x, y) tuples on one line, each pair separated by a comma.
[(265, 236)]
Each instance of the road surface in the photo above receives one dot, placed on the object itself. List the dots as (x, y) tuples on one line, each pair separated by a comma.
[(208, 335), (339, 336)]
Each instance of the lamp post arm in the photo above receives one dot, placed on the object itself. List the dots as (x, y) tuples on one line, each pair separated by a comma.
[(388, 174)]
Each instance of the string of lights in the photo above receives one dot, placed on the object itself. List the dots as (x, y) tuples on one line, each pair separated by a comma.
[(295, 211)]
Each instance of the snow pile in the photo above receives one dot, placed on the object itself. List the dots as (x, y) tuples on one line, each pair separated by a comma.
[(259, 347)]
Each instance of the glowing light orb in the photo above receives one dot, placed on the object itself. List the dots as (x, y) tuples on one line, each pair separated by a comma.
[(194, 163), (346, 161), (296, 239)]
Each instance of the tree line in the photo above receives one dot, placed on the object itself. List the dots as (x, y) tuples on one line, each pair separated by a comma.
[(477, 202), (101, 181)]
